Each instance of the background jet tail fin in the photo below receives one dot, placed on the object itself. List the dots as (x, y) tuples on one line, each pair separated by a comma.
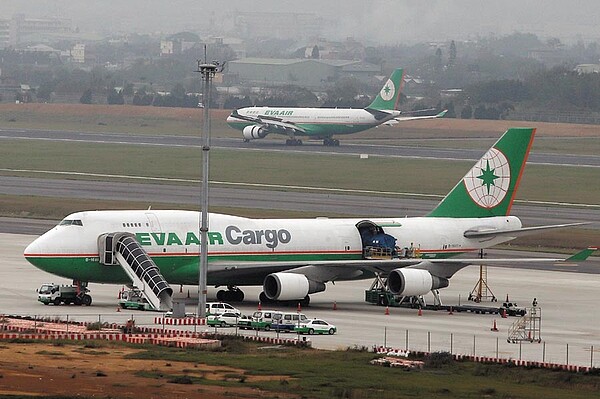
[(389, 96), (582, 255), (489, 188)]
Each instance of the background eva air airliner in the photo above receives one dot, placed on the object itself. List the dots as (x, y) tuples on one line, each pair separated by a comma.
[(292, 258), (323, 123)]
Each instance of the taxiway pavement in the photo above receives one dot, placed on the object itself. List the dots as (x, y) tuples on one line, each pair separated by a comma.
[(567, 301)]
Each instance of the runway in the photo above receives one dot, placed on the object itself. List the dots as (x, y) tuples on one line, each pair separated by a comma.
[(347, 147), (564, 299), (323, 204)]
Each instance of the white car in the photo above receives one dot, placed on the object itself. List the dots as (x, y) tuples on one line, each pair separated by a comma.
[(316, 326), (227, 319), (214, 308)]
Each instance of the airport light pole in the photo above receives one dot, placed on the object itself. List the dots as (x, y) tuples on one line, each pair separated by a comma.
[(207, 70)]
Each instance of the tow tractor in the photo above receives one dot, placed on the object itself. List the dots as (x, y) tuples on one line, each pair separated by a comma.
[(134, 299), (379, 295), (64, 294)]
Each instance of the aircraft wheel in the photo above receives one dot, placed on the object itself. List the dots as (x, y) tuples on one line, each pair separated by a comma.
[(238, 296), (305, 301)]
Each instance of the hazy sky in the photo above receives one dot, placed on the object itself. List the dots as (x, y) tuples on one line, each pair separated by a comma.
[(378, 21)]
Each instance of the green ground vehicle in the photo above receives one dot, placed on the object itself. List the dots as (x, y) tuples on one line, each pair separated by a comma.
[(134, 299), (50, 293), (316, 326)]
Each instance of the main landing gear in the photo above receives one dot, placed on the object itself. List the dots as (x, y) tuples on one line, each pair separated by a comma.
[(331, 142), (265, 300), (233, 294), (293, 141)]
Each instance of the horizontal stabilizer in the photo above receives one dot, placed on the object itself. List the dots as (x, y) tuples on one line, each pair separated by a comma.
[(489, 232), (582, 255), (412, 118)]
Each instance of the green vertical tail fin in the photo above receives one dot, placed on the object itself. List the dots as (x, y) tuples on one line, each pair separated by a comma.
[(489, 188), (389, 96)]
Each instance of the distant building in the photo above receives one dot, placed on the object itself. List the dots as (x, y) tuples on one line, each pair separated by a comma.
[(587, 68), (166, 47), (25, 30), (178, 43), (78, 53), (5, 28), (309, 73)]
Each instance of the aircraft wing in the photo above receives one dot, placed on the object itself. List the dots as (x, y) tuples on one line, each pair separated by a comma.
[(324, 271), (270, 123), (492, 233), (412, 118)]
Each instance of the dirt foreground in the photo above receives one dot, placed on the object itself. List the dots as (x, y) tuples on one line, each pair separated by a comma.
[(44, 369)]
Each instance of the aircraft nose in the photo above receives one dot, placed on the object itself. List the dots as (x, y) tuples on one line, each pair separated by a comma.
[(33, 248)]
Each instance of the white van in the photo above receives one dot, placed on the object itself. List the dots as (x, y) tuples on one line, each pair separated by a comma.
[(263, 319), (287, 321), (213, 308)]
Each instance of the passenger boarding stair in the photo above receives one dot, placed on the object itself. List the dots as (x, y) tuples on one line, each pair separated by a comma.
[(123, 249), (528, 328)]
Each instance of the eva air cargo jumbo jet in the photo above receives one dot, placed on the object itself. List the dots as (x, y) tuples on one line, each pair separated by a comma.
[(292, 258), (323, 123)]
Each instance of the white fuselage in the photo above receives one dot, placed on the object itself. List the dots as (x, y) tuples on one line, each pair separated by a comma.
[(171, 238)]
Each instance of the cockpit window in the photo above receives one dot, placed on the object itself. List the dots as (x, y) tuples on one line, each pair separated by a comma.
[(71, 222)]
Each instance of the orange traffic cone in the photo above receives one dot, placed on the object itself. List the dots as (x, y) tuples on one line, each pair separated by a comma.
[(387, 310), (259, 306), (118, 308), (420, 312), (506, 298), (334, 305), (119, 296), (503, 314), (299, 307), (450, 311), (494, 327)]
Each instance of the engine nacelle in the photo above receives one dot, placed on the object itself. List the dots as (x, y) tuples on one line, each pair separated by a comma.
[(254, 132), (289, 286), (413, 282)]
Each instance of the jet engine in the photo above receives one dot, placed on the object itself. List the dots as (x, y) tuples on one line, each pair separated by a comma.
[(254, 132), (290, 286), (413, 282)]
